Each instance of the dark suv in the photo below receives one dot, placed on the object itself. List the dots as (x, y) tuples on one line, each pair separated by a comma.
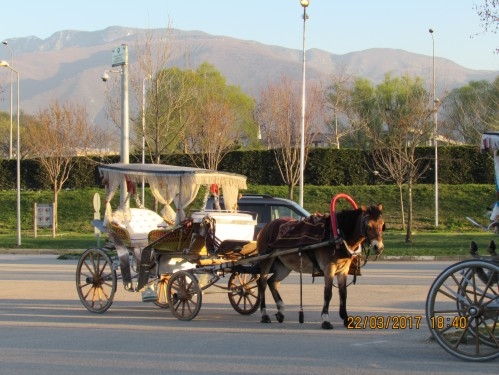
[(266, 207)]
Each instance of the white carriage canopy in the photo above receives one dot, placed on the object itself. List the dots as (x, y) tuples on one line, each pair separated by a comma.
[(490, 142), (171, 184)]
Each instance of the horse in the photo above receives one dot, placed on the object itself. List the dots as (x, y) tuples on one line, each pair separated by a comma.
[(332, 259)]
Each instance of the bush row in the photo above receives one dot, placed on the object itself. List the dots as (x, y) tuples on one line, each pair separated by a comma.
[(325, 167)]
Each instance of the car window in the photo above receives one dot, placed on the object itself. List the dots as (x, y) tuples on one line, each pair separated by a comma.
[(258, 209), (283, 211)]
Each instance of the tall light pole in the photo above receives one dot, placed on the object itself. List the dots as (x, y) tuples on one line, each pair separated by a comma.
[(144, 128), (119, 57), (304, 4), (435, 128), (5, 43), (18, 158)]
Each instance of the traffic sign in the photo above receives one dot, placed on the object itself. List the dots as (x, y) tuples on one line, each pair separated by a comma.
[(119, 55)]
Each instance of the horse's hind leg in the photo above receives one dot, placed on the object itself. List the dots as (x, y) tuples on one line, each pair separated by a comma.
[(280, 273), (262, 287)]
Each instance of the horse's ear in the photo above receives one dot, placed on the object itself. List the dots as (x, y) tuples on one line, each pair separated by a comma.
[(363, 208), (380, 206)]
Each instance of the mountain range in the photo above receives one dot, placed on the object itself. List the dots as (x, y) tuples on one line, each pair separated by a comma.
[(70, 64)]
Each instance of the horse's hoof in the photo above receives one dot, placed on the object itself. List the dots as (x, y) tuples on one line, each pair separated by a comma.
[(347, 322), (280, 317), (327, 325), (265, 319)]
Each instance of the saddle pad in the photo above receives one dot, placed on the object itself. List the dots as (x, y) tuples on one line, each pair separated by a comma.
[(296, 233)]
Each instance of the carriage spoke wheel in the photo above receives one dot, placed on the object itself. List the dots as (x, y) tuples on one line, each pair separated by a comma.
[(184, 295), (243, 293), (95, 280), (462, 310), (161, 287)]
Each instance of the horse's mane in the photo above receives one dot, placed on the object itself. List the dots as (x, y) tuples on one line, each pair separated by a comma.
[(347, 220)]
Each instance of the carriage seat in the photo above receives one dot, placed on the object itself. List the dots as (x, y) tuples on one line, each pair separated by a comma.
[(135, 225)]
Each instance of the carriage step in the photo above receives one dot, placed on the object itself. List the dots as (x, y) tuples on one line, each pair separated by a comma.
[(149, 294)]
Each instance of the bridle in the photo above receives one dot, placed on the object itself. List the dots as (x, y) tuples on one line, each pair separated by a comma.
[(365, 228)]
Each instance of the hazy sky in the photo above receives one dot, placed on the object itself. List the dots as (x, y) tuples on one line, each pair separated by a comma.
[(337, 26)]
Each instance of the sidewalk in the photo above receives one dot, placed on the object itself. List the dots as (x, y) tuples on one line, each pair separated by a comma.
[(398, 258)]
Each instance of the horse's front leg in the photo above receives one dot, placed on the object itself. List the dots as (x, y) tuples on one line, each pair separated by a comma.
[(328, 294), (262, 286)]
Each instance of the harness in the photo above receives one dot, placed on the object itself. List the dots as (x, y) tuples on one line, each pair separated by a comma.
[(338, 239)]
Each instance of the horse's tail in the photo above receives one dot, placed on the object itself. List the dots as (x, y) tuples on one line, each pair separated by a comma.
[(262, 240)]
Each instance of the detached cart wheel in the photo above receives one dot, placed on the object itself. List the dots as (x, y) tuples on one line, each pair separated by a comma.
[(243, 293), (184, 295), (462, 310), (161, 287), (96, 280)]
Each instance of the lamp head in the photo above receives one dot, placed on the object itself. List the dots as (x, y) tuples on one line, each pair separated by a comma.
[(4, 63), (5, 42), (431, 31), (105, 77), (304, 3)]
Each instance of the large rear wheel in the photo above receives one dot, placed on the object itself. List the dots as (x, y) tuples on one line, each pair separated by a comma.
[(462, 310), (96, 280), (243, 293)]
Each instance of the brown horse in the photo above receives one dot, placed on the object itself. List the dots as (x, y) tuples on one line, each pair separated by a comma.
[(334, 258)]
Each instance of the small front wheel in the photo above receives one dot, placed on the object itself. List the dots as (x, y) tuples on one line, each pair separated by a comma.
[(184, 295), (96, 280)]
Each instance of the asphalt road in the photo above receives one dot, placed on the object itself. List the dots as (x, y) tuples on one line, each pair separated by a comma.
[(44, 328)]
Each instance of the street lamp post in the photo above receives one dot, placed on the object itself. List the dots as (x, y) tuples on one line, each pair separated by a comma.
[(120, 58), (435, 128), (304, 4), (144, 129), (18, 158), (6, 44)]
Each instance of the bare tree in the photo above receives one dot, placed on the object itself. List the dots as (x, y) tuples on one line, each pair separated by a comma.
[(61, 133), (279, 118), (489, 16), (337, 100)]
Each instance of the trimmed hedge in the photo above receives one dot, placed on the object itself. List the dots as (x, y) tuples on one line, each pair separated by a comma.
[(457, 165)]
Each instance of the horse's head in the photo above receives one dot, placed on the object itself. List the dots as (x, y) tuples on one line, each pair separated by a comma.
[(373, 227)]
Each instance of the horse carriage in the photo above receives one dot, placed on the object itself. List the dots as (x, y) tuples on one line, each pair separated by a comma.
[(171, 259), (462, 307)]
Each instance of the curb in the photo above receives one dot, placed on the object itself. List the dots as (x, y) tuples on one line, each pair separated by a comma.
[(388, 258)]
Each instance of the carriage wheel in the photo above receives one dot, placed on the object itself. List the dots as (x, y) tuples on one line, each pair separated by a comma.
[(184, 295), (462, 310), (161, 288), (95, 280), (243, 293)]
